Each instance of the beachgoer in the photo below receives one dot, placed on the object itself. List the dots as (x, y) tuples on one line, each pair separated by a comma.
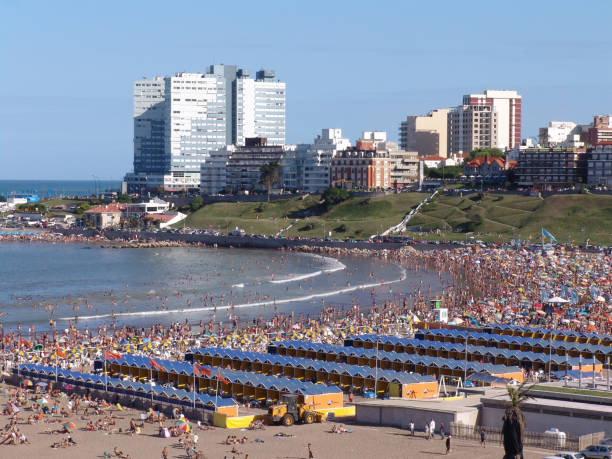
[(483, 438), (310, 454), (411, 427), (448, 444)]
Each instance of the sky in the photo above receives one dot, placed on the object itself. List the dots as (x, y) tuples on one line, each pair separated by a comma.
[(68, 67)]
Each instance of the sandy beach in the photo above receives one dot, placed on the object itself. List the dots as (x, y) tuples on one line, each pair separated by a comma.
[(363, 442)]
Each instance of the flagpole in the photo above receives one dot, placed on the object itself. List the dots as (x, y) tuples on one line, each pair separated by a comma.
[(151, 384), (194, 383), (105, 376)]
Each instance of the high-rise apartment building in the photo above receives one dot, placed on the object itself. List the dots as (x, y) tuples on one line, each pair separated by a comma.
[(497, 113), (179, 120), (427, 135), (471, 127), (259, 108)]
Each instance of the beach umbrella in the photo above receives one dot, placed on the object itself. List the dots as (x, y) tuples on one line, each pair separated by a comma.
[(69, 426), (42, 384), (556, 300), (27, 383), (183, 425)]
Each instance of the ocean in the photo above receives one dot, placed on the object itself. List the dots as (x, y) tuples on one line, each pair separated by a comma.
[(58, 188), (94, 285)]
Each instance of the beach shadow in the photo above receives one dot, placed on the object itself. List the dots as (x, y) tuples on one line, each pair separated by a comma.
[(433, 453)]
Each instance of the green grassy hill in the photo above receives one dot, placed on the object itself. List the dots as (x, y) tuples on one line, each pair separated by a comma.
[(354, 218), (568, 217)]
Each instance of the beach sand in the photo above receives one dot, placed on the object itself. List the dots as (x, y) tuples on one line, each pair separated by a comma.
[(364, 442)]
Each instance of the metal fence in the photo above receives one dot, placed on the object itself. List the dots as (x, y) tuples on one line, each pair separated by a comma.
[(531, 439)]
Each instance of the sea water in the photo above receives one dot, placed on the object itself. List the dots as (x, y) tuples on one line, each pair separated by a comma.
[(94, 285)]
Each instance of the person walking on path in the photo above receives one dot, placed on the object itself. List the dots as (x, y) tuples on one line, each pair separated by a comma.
[(441, 431), (411, 427), (483, 438), (427, 430), (432, 427), (165, 453), (448, 444), (310, 455)]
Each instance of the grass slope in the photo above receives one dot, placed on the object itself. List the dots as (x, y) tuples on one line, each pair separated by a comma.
[(355, 218), (569, 217)]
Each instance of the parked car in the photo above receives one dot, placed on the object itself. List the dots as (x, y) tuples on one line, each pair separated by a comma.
[(597, 452), (566, 455), (606, 442)]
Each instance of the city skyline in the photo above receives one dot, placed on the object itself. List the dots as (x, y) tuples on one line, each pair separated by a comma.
[(67, 103)]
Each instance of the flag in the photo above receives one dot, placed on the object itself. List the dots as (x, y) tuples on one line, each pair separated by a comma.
[(221, 378), (154, 364), (60, 353), (547, 234), (201, 370), (108, 355)]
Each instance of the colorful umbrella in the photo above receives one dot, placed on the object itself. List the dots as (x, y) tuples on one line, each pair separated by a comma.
[(27, 383), (69, 426), (183, 425)]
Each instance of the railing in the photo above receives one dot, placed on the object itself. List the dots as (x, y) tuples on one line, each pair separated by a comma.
[(530, 439)]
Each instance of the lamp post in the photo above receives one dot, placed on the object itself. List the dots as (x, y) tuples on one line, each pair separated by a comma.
[(466, 360), (549, 354)]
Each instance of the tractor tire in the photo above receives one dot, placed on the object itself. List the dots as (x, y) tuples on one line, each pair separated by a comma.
[(309, 418), (288, 420)]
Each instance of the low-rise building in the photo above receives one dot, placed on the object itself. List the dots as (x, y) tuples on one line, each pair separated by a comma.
[(152, 206), (105, 216), (551, 168), (599, 166)]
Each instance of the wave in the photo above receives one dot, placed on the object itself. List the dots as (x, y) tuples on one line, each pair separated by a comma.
[(244, 305), (333, 266)]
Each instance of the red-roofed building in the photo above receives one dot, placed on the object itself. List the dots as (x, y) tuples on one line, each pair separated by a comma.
[(490, 167), (106, 215)]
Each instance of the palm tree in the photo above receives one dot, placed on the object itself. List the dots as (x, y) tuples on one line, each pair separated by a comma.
[(513, 428), (270, 175)]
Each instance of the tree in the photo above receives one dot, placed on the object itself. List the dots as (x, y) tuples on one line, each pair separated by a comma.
[(196, 203), (334, 195), (513, 428), (123, 198), (270, 175), (480, 152), (2, 198)]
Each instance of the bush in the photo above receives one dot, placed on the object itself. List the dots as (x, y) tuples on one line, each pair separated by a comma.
[(196, 203), (334, 195), (340, 229), (307, 227)]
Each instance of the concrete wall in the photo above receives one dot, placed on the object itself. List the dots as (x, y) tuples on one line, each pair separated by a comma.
[(397, 416), (540, 422)]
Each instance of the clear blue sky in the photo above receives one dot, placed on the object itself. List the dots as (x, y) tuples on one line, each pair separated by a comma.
[(68, 66)]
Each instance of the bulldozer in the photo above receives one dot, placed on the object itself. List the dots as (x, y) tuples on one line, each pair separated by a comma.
[(288, 411)]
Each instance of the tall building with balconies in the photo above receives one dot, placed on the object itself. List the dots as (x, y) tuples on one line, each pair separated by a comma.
[(179, 120)]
